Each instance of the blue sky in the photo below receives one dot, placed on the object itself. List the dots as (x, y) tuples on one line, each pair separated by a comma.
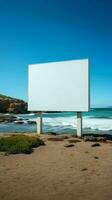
[(34, 31)]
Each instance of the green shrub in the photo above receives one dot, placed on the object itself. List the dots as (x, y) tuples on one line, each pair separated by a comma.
[(19, 144)]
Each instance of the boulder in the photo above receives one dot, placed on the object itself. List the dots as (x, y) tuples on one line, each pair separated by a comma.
[(95, 145), (7, 118), (31, 122), (101, 139), (58, 138), (55, 139), (93, 138), (69, 145), (84, 169), (52, 133), (90, 138), (96, 157), (74, 140)]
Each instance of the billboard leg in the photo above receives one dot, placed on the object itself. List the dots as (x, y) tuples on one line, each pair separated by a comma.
[(39, 123), (79, 124)]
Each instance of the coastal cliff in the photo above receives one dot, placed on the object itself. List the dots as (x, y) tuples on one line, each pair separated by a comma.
[(12, 105)]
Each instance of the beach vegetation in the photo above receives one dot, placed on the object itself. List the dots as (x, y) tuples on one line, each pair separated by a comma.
[(19, 144)]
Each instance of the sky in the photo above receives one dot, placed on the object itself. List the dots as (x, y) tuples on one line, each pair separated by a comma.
[(36, 31)]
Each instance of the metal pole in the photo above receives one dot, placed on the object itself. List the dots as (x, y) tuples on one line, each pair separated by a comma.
[(39, 123), (79, 124)]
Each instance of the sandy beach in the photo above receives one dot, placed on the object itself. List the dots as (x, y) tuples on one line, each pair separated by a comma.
[(54, 172)]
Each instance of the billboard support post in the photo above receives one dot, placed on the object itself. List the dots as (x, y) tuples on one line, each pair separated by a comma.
[(39, 123), (79, 124)]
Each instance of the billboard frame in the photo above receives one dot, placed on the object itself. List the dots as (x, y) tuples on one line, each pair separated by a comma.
[(79, 113)]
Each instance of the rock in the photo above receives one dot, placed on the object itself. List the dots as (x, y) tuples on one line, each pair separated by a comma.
[(74, 140), (64, 137), (17, 107), (7, 118), (97, 138), (74, 136), (31, 122), (12, 105), (69, 145), (95, 145), (90, 138), (84, 169), (96, 157), (56, 139), (20, 119), (52, 133), (101, 139)]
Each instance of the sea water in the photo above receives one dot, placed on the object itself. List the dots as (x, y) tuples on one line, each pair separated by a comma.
[(98, 120)]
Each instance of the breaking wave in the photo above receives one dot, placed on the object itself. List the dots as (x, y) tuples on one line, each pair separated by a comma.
[(62, 122)]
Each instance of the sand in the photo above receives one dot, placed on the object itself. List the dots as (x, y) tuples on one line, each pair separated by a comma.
[(54, 172)]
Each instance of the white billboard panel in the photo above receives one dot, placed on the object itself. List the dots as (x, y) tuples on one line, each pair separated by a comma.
[(59, 86)]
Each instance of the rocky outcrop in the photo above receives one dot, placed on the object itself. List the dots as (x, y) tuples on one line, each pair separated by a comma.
[(12, 105), (10, 118), (97, 137), (7, 118), (93, 138)]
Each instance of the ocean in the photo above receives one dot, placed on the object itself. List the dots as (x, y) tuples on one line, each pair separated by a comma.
[(98, 120)]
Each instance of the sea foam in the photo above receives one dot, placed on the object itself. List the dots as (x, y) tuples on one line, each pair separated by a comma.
[(71, 122)]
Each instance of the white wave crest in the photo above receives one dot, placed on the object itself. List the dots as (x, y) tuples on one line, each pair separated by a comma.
[(71, 122)]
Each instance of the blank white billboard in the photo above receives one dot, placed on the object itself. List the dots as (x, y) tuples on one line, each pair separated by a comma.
[(59, 86)]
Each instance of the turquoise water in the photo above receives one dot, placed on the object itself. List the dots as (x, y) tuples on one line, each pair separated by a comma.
[(97, 120)]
